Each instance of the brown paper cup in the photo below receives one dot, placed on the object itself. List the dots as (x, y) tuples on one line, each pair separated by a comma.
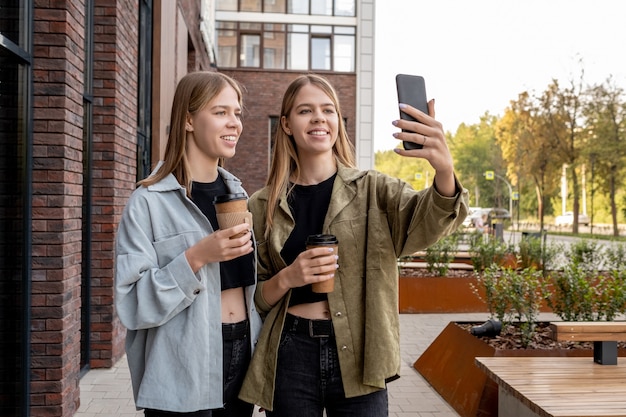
[(232, 206), (316, 241), (231, 210), (226, 220)]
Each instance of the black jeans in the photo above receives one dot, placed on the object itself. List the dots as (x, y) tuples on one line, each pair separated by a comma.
[(308, 380), (236, 338)]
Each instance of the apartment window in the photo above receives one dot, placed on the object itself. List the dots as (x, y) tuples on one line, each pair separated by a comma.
[(250, 5), (274, 6), (226, 5), (312, 7), (274, 46), (322, 7), (320, 53), (293, 47), (250, 51)]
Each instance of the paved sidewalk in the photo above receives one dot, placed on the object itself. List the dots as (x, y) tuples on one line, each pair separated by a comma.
[(107, 392)]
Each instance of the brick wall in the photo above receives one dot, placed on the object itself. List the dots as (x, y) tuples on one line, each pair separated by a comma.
[(114, 161), (57, 206), (263, 93)]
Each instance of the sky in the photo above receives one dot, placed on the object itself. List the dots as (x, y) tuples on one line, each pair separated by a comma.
[(477, 56)]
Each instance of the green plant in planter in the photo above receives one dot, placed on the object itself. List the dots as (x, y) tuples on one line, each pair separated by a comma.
[(615, 257), (586, 253), (583, 292), (541, 255), (513, 295), (440, 254), (612, 295), (485, 251)]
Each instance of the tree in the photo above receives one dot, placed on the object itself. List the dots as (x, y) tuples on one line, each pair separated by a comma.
[(561, 111), (605, 112), (527, 149), (406, 169), (475, 151)]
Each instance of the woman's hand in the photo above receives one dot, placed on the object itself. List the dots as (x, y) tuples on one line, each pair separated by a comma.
[(429, 133), (220, 246), (312, 265)]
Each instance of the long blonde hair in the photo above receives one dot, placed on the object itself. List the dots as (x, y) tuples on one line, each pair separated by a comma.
[(193, 93), (285, 155)]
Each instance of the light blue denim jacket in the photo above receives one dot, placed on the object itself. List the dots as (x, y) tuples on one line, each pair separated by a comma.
[(173, 316)]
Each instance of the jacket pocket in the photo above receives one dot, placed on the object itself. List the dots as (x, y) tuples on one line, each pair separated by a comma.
[(168, 249)]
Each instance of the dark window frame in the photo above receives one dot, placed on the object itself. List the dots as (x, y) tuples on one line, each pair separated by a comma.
[(311, 33)]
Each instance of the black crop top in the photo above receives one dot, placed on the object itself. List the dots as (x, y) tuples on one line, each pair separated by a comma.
[(238, 272), (308, 204)]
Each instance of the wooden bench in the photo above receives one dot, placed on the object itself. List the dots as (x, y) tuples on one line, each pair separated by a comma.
[(556, 386), (603, 334)]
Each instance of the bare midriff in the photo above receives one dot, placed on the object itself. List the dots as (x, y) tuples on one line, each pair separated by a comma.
[(319, 310), (233, 305)]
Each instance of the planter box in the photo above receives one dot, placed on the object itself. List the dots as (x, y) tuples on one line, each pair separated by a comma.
[(448, 365), (452, 294), (439, 295)]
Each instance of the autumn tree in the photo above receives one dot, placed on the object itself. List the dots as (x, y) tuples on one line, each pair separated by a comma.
[(561, 111), (605, 113), (528, 150)]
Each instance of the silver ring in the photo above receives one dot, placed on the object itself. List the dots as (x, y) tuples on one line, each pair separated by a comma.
[(425, 138)]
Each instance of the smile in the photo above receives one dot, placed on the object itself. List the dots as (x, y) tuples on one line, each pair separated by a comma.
[(230, 138), (318, 132)]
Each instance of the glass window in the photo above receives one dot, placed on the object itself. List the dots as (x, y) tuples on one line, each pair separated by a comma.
[(274, 50), (274, 6), (226, 5), (298, 51), (227, 48), (250, 6), (250, 51), (345, 30), (322, 7), (250, 26), (276, 27), (343, 53), (226, 25), (320, 53), (298, 6), (14, 223), (298, 28), (321, 29), (345, 8)]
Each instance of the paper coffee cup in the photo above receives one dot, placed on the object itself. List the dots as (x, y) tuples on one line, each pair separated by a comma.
[(231, 210), (315, 241)]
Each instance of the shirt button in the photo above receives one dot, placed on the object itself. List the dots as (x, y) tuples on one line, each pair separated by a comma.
[(196, 292), (344, 347), (338, 314)]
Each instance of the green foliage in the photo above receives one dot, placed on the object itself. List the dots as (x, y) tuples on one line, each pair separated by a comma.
[(582, 292), (440, 254), (514, 295), (537, 253), (485, 251), (615, 257), (586, 254), (407, 169)]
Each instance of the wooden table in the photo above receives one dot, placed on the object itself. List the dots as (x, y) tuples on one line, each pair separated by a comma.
[(551, 387)]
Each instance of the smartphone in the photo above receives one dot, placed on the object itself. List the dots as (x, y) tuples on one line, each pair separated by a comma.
[(412, 91)]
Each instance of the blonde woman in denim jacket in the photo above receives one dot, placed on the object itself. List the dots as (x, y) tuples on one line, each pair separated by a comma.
[(336, 352), (184, 289)]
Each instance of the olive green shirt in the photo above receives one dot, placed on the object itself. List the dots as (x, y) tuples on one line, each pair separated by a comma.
[(376, 219)]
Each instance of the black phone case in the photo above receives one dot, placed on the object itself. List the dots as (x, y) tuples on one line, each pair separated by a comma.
[(412, 91)]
